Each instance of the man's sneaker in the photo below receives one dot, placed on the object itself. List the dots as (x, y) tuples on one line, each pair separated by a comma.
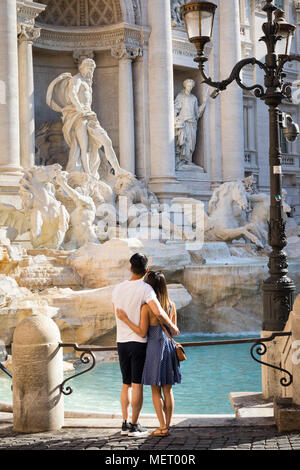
[(125, 428), (136, 430)]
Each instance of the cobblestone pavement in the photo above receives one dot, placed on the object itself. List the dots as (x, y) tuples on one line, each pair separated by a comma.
[(180, 439)]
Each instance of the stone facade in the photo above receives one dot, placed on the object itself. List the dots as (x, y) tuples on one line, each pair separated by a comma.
[(142, 60)]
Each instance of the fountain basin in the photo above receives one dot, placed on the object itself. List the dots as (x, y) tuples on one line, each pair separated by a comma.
[(227, 298)]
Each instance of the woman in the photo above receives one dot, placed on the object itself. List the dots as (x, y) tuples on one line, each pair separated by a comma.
[(161, 369)]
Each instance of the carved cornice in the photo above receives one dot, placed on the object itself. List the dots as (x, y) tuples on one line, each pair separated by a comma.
[(181, 45), (97, 38), (28, 11)]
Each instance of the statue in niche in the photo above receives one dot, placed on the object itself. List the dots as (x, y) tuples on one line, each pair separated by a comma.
[(176, 15), (187, 114), (72, 97)]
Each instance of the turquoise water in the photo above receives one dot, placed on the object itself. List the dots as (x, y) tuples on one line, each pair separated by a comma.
[(208, 376)]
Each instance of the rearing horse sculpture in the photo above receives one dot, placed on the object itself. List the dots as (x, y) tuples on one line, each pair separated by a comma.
[(226, 219)]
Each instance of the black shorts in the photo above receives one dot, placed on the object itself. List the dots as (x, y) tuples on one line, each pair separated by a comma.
[(132, 357)]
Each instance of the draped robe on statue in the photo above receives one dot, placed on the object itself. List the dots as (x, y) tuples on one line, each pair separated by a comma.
[(59, 99), (187, 113)]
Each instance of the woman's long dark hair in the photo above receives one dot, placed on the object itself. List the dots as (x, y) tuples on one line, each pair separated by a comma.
[(158, 282)]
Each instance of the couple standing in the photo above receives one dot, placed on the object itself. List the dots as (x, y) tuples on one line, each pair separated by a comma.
[(146, 353)]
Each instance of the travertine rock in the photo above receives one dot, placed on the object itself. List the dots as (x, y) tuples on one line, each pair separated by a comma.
[(16, 304), (179, 295), (85, 316), (82, 316), (171, 258), (293, 247), (104, 265), (227, 298)]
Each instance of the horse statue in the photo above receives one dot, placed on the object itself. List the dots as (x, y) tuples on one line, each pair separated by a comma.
[(260, 215), (226, 216), (41, 214)]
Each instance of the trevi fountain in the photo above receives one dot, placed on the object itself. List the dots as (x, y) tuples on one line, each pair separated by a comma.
[(80, 221)]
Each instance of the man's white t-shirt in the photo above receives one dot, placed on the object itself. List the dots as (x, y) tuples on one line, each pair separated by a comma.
[(130, 296)]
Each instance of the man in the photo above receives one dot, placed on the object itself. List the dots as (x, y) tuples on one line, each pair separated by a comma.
[(72, 96), (129, 296)]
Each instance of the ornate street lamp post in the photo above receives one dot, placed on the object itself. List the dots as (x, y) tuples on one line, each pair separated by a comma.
[(278, 289)]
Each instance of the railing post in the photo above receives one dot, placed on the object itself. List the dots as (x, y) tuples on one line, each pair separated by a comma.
[(287, 409), (271, 387), (37, 370), (296, 350)]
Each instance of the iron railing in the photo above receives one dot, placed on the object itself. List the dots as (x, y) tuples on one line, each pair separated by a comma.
[(259, 347), (3, 368)]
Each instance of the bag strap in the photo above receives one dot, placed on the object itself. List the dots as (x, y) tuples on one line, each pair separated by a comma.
[(165, 330)]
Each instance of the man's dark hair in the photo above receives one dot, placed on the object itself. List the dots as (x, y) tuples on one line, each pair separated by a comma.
[(139, 263)]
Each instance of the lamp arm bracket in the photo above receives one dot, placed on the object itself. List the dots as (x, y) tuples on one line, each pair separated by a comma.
[(235, 76), (284, 59)]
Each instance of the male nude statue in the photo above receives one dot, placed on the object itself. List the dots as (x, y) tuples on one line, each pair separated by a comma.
[(72, 96)]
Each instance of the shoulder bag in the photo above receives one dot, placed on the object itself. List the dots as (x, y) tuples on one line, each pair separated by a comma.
[(181, 355)]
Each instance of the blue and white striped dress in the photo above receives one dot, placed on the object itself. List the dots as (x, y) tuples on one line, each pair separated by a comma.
[(161, 364)]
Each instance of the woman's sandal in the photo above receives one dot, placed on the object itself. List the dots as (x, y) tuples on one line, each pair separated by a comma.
[(160, 432)]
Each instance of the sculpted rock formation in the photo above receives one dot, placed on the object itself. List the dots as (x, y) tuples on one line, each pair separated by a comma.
[(82, 316), (64, 210)]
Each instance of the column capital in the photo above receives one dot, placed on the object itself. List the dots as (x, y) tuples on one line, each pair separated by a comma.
[(126, 52), (28, 33), (297, 5)]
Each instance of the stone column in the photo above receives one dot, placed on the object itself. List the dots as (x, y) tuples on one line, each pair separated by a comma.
[(161, 97), (232, 98), (214, 158), (141, 114), (26, 36), (9, 99), (126, 55)]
